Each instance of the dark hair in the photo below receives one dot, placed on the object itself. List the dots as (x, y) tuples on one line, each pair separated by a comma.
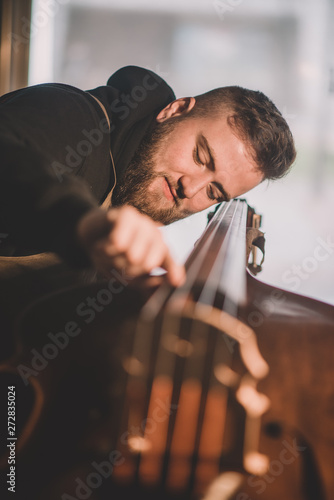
[(257, 122)]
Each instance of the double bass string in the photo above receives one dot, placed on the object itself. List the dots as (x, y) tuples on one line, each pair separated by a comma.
[(227, 273), (145, 338), (165, 356), (221, 270), (209, 439), (155, 304), (210, 390), (177, 303)]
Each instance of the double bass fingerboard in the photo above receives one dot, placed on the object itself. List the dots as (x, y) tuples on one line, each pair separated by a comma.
[(191, 410)]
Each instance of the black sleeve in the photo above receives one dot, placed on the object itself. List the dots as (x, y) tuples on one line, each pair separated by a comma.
[(36, 209)]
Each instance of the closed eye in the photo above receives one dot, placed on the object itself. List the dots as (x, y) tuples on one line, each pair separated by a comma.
[(212, 194), (215, 190), (196, 157)]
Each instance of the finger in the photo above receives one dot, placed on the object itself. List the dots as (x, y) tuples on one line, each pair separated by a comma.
[(145, 240), (155, 253), (134, 243), (119, 240), (176, 274), (142, 237)]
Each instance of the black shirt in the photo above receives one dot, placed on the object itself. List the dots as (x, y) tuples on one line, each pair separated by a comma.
[(54, 155)]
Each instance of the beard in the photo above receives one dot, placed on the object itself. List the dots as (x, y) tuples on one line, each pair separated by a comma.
[(133, 188)]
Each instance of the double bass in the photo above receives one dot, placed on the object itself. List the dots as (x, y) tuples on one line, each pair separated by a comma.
[(219, 389)]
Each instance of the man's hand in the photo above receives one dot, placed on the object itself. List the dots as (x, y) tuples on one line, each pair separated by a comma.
[(122, 238)]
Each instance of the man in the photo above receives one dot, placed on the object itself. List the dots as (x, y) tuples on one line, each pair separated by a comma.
[(133, 148), (90, 175)]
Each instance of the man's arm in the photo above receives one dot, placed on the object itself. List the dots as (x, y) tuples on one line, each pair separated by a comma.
[(42, 214)]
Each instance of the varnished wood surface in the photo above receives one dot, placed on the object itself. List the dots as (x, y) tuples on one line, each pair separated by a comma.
[(76, 424), (74, 399)]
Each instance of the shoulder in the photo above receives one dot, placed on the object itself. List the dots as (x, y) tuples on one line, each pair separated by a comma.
[(44, 91)]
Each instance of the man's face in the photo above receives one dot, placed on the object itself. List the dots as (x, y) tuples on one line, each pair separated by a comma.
[(186, 165)]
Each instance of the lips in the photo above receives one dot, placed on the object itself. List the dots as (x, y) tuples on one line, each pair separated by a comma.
[(168, 190)]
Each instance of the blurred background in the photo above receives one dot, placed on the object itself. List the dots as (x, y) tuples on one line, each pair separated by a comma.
[(284, 48)]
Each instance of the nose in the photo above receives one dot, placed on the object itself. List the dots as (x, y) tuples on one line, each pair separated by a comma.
[(190, 186)]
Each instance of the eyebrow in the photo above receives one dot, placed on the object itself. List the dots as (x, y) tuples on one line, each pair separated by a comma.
[(204, 142)]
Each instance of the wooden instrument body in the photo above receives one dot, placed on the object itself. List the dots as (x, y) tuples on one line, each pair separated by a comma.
[(82, 389), (296, 337)]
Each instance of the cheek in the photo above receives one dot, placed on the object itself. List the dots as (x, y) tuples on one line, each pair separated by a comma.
[(176, 157)]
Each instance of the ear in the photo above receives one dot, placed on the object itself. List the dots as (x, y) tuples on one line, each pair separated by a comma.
[(176, 108)]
